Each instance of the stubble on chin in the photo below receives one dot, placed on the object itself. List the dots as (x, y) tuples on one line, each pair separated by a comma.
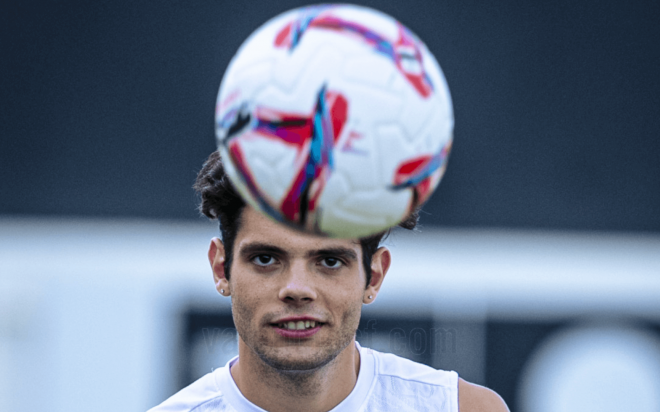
[(297, 358)]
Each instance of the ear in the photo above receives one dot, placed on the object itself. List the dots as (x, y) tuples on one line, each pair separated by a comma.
[(380, 264), (216, 256)]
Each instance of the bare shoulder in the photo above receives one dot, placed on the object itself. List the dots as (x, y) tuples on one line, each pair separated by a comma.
[(475, 398)]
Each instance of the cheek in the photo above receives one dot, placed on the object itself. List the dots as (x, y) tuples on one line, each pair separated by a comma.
[(242, 283), (348, 289), (244, 298), (350, 302), (351, 314)]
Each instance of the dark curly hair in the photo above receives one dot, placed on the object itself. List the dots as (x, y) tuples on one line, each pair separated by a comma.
[(219, 200)]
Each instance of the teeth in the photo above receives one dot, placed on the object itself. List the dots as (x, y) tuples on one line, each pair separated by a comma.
[(300, 325)]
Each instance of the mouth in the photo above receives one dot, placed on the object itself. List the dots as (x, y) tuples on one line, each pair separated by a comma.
[(297, 325), (297, 329)]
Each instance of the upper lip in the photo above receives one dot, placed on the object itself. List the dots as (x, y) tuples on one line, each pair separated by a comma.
[(296, 319)]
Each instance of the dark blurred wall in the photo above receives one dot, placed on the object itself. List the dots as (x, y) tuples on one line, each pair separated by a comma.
[(107, 106)]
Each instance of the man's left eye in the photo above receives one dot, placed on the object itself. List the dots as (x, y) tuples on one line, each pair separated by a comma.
[(332, 263)]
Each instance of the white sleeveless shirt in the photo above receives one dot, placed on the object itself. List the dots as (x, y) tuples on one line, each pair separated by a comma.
[(385, 383)]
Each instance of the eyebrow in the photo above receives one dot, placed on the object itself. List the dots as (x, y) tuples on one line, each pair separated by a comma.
[(342, 252), (259, 247)]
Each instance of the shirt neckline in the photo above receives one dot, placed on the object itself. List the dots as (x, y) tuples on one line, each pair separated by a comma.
[(353, 402)]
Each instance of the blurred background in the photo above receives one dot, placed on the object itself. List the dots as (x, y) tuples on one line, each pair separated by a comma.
[(537, 270)]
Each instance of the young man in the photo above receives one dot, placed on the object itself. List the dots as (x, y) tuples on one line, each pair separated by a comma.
[(296, 303)]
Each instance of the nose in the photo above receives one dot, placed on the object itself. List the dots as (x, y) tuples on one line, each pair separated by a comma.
[(298, 287)]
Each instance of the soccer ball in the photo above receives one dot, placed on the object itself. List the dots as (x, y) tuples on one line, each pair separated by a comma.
[(335, 120)]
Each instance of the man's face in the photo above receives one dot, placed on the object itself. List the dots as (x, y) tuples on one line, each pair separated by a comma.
[(296, 298)]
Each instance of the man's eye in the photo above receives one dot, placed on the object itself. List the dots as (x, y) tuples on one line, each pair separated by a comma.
[(332, 263), (264, 260)]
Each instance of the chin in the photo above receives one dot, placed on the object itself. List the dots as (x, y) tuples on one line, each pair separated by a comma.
[(298, 359)]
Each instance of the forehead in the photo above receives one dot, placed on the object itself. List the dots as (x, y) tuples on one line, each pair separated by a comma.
[(255, 227)]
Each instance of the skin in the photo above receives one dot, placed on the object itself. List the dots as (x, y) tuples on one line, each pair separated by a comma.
[(278, 272), (475, 398)]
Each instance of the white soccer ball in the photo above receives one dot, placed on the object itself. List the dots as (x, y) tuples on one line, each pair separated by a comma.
[(334, 119)]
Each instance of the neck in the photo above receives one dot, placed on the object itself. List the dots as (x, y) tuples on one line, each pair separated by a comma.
[(318, 390)]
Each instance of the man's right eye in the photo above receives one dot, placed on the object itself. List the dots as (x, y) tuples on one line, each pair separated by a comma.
[(263, 260)]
